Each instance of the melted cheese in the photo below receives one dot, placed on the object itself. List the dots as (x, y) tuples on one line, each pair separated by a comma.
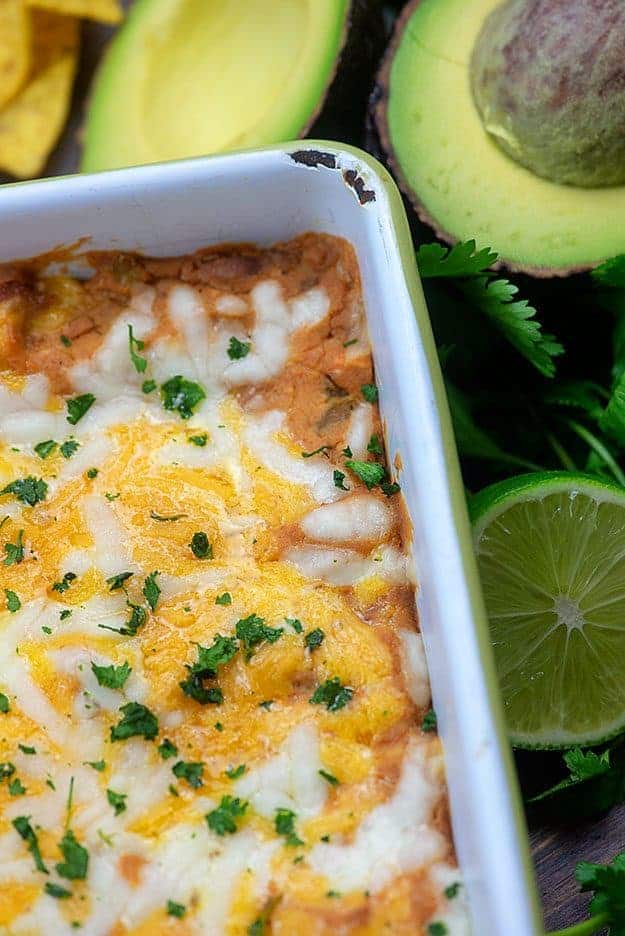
[(289, 549)]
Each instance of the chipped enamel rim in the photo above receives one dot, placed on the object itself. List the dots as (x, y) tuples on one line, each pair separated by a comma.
[(487, 815)]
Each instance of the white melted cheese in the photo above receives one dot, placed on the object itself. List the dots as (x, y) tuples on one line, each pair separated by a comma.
[(360, 518), (414, 666), (396, 837), (454, 913), (346, 566), (109, 537), (360, 430)]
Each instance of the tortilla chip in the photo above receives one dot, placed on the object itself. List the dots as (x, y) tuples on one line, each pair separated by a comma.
[(104, 11), (31, 123), (14, 48)]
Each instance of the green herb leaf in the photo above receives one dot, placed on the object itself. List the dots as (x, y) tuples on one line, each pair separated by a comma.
[(65, 582), (182, 395), (117, 801), (370, 473), (199, 440), (117, 581), (238, 349), (137, 720), (65, 341), (28, 490), (167, 749), (462, 259), (148, 386), (200, 547), (113, 677), (314, 638), (76, 862), (429, 722), (608, 884), (134, 345), (296, 624), (452, 891), (22, 826), (329, 777), (317, 451), (235, 772), (55, 890), (375, 446), (13, 601), (285, 825), (611, 273), (225, 599), (332, 694), (43, 449), (209, 660), (77, 407), (4, 704), (14, 551), (170, 519), (92, 473), (27, 749), (252, 631), (190, 771), (339, 480), (98, 765), (223, 820), (176, 909), (437, 929), (69, 448), (16, 788), (369, 392), (151, 591), (65, 613)]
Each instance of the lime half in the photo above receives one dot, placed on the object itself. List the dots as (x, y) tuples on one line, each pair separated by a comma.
[(551, 554)]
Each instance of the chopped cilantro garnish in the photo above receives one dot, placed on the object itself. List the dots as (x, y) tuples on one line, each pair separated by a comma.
[(22, 826), (317, 451), (199, 440), (332, 694), (65, 613), (333, 893), (314, 638), (339, 480), (27, 749), (55, 890), (285, 825), (389, 488), (437, 929), (225, 599), (266, 704), (117, 581), (235, 772), (238, 349), (46, 629), (163, 518), (110, 496), (452, 891), (98, 765), (29, 490), (92, 473), (175, 909), (13, 601), (65, 341), (200, 547), (347, 452), (375, 446), (369, 392), (223, 820), (113, 677), (16, 788), (189, 771), (65, 582), (43, 449), (348, 344), (297, 625), (69, 448), (329, 777), (370, 473), (76, 862), (117, 801), (181, 395), (134, 345), (137, 720), (148, 386), (138, 617), (4, 704), (208, 662), (151, 591), (252, 630), (14, 551), (429, 721), (7, 769), (219, 726), (77, 407), (167, 749)]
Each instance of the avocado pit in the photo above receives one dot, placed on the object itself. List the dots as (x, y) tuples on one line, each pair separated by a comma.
[(548, 80)]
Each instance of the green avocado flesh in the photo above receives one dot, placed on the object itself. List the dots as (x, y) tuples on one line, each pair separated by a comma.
[(189, 77), (460, 179)]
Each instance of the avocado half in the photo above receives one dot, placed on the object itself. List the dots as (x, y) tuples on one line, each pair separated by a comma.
[(190, 77), (448, 128)]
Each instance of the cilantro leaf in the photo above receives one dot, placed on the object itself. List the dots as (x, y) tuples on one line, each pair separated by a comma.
[(16, 788), (22, 826), (76, 862), (175, 909), (118, 581), (612, 419), (55, 890), (314, 638), (611, 273), (370, 473), (98, 765), (167, 749), (134, 345), (137, 720), (5, 706), (339, 480), (235, 772), (252, 631), (28, 490), (14, 551), (77, 407), (582, 765), (369, 392), (317, 451), (374, 446), (151, 591), (148, 386), (166, 519), (181, 395), (285, 825), (332, 780), (117, 801), (429, 722), (62, 586), (199, 440), (437, 929), (113, 677), (332, 694), (200, 547), (607, 906), (225, 599), (223, 820), (43, 449), (463, 259), (13, 601), (69, 448), (238, 349), (190, 771), (297, 625), (208, 662)]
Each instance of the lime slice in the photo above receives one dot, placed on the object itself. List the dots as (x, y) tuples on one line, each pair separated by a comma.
[(551, 554)]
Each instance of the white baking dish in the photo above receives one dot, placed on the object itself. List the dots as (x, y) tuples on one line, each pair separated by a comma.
[(274, 194)]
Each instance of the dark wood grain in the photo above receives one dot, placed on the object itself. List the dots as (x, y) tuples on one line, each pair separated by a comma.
[(556, 850)]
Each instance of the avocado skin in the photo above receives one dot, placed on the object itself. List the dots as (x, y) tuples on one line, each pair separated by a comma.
[(548, 79)]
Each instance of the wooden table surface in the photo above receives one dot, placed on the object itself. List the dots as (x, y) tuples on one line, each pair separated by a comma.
[(555, 850)]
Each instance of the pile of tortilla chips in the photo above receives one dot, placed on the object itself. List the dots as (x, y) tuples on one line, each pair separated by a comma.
[(39, 47)]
